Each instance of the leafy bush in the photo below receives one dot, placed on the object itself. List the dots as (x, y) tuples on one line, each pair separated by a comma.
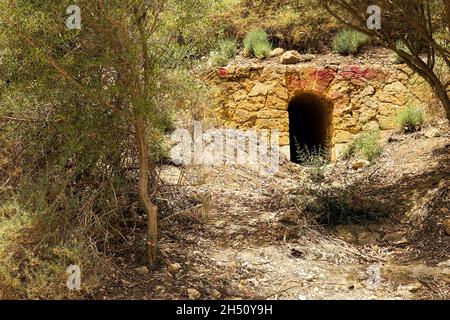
[(366, 144), (35, 257), (225, 51), (346, 206), (257, 43), (349, 42), (411, 119)]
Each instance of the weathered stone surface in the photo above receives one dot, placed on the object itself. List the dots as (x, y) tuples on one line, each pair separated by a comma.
[(242, 115), (290, 57), (272, 114), (432, 133), (174, 268), (279, 91), (446, 226), (359, 163), (276, 52), (342, 136), (366, 114), (193, 294), (284, 139), (142, 270), (368, 91), (395, 93), (363, 98), (258, 90), (273, 102)]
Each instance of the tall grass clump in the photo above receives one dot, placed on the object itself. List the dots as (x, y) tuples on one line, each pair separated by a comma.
[(257, 44), (411, 119), (225, 51), (349, 42), (316, 158), (366, 144)]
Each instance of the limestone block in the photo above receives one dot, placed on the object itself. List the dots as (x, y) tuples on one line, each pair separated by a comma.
[(272, 114), (342, 136), (394, 93), (258, 90), (252, 104), (273, 102)]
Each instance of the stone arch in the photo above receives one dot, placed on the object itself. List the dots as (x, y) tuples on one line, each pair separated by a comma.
[(310, 123)]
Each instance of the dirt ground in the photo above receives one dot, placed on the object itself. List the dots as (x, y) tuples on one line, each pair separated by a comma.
[(232, 233)]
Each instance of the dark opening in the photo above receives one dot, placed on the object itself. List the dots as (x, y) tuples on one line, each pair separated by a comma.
[(309, 124)]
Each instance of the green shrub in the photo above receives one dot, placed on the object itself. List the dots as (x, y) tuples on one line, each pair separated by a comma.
[(336, 206), (34, 257), (411, 119), (349, 42), (257, 44), (225, 51), (262, 50), (366, 144)]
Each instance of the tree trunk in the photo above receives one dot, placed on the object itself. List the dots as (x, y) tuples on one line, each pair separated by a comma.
[(150, 209)]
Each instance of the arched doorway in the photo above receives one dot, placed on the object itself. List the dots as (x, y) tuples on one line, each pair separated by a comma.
[(310, 120)]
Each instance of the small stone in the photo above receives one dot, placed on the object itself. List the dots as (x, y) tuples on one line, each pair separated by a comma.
[(141, 270), (276, 52), (412, 287), (432, 133), (216, 294), (193, 294), (444, 264), (359, 164), (174, 268), (290, 57), (258, 90), (446, 226), (240, 237)]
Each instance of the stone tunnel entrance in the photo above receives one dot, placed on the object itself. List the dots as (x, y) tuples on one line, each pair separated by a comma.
[(310, 120)]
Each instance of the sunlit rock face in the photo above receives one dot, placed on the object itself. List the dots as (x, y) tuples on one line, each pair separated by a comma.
[(350, 99)]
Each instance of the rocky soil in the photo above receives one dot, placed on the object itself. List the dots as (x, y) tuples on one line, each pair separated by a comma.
[(247, 236)]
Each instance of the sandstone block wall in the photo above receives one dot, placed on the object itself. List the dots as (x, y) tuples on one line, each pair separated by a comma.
[(362, 97)]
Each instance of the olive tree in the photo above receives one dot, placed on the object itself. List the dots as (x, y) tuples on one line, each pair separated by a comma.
[(97, 74), (416, 30)]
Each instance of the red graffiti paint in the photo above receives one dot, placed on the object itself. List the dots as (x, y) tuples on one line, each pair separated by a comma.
[(323, 77), (357, 73), (222, 72)]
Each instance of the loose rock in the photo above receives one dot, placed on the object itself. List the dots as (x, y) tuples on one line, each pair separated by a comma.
[(174, 268), (290, 57), (276, 52), (359, 163), (141, 270), (446, 226), (193, 294)]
